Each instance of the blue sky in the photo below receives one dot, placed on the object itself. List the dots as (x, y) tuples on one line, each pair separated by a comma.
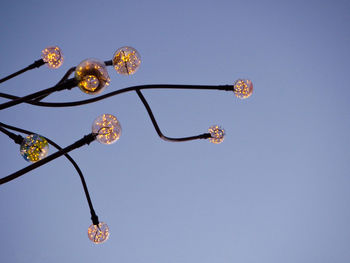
[(275, 190)]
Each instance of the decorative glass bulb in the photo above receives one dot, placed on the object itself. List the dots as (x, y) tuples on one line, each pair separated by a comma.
[(92, 76), (52, 56), (243, 88), (108, 129), (126, 60), (98, 233), (34, 148), (217, 134), (90, 82)]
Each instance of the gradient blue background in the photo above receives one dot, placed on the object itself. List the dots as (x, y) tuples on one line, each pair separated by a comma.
[(277, 188)]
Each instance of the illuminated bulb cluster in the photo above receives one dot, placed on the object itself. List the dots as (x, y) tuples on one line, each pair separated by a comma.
[(126, 60), (90, 83), (92, 76), (98, 233), (52, 56), (217, 134), (108, 129), (34, 148), (243, 88)]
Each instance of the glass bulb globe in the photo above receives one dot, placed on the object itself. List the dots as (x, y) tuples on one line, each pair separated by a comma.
[(217, 134), (90, 83), (92, 76), (34, 148), (126, 60), (98, 233), (52, 56), (243, 88), (108, 129)]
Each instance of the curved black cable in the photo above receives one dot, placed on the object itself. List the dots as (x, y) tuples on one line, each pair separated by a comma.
[(68, 84), (160, 134), (117, 92), (64, 78), (18, 139), (87, 139), (94, 217), (36, 64)]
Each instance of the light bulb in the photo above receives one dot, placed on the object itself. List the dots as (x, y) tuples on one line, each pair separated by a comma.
[(217, 134), (92, 76), (34, 148), (52, 56), (126, 60), (98, 233), (108, 129), (90, 82), (243, 88)]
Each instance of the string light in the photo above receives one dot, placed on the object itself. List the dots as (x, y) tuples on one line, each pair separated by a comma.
[(98, 233), (126, 60), (108, 129), (52, 56), (34, 148), (92, 76), (243, 88), (217, 134)]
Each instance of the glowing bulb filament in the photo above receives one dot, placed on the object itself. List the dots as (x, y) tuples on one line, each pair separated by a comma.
[(126, 60), (217, 134), (34, 148), (243, 88), (108, 129), (52, 56), (98, 233)]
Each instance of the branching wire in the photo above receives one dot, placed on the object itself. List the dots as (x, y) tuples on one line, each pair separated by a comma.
[(17, 137), (120, 91)]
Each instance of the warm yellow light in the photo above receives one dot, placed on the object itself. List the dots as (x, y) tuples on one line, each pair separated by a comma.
[(98, 233), (90, 82), (126, 60), (108, 129), (217, 134), (34, 148), (92, 76), (52, 56), (243, 88)]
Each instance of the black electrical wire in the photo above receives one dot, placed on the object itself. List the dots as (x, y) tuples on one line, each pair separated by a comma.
[(160, 134), (68, 84), (94, 217), (64, 78), (117, 92), (36, 64)]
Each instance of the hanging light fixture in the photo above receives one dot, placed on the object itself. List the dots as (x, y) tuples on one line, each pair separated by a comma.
[(91, 76)]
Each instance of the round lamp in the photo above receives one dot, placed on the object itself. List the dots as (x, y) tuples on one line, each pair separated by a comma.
[(34, 148), (98, 233), (52, 56), (92, 76), (126, 60), (108, 129), (217, 134), (243, 88)]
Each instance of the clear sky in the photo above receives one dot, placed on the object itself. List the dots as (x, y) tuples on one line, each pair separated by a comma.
[(277, 188)]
